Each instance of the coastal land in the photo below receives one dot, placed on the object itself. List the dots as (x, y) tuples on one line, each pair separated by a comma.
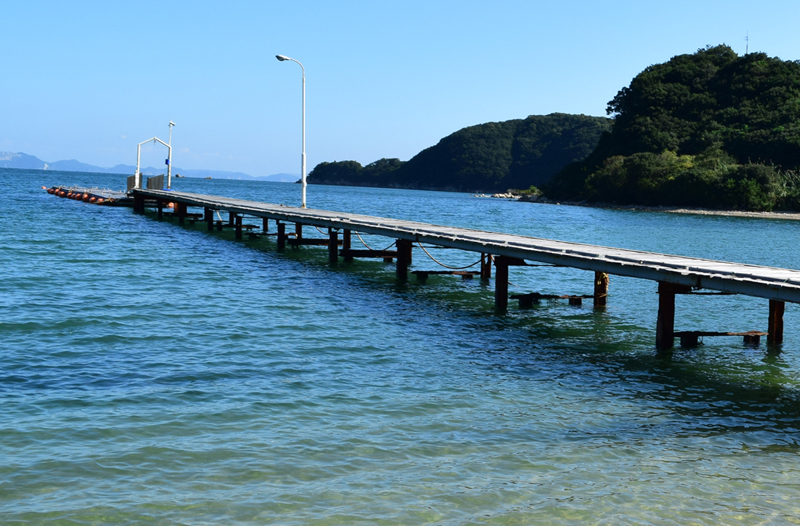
[(710, 130)]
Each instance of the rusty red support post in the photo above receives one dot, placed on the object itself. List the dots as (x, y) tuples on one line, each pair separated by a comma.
[(333, 246), (501, 283), (600, 289), (281, 235), (404, 247), (138, 203), (209, 218), (486, 266), (775, 331), (665, 326), (347, 243)]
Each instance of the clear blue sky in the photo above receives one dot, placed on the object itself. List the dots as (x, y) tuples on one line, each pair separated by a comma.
[(89, 80)]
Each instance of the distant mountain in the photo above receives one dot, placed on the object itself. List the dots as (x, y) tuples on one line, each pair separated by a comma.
[(21, 160), (30, 162)]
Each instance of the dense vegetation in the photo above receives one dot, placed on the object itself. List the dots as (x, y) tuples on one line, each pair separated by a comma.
[(710, 129), (487, 157)]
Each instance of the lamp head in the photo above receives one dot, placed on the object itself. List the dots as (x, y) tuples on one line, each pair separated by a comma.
[(172, 123), (282, 58)]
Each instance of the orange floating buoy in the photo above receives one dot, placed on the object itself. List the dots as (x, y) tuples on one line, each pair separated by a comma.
[(86, 197), (100, 200), (44, 188), (51, 190), (170, 205), (93, 200)]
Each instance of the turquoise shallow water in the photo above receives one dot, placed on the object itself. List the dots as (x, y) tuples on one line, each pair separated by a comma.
[(152, 372)]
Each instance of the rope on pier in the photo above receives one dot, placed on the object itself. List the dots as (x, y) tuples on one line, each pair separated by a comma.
[(442, 264), (369, 247)]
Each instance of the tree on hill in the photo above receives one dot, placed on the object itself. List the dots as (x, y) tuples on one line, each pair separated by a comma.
[(487, 157), (734, 122)]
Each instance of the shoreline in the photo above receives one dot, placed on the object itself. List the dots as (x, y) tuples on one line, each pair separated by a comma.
[(790, 216)]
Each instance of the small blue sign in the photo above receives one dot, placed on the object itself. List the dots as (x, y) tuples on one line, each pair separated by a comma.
[(166, 161)]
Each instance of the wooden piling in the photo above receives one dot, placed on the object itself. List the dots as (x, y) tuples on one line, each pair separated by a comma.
[(265, 224), (238, 221), (333, 246), (775, 330), (209, 218), (231, 218), (501, 283), (486, 266), (298, 230), (281, 235), (600, 289), (665, 326), (138, 203), (160, 207), (404, 251), (346, 243), (181, 208)]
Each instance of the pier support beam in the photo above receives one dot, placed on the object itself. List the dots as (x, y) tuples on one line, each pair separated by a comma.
[(238, 222), (486, 266), (181, 209), (281, 235), (333, 246), (404, 247), (138, 203), (160, 207), (264, 224), (231, 218), (208, 217), (600, 289), (501, 283), (665, 326), (298, 230), (775, 331), (347, 243)]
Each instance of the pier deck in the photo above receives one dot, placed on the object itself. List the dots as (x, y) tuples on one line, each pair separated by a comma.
[(675, 274)]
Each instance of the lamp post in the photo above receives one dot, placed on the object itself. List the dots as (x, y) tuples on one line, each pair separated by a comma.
[(169, 159), (303, 158)]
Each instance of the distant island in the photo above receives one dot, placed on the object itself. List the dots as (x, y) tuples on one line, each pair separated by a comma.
[(30, 162), (487, 157), (710, 130)]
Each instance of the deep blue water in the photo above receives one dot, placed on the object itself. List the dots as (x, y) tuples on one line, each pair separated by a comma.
[(152, 372)]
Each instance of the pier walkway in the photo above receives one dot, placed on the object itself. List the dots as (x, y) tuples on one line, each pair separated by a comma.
[(674, 274)]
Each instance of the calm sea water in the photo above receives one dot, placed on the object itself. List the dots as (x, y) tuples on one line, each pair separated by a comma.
[(157, 373)]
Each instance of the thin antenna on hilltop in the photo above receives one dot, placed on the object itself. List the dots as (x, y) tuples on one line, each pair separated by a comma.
[(747, 45)]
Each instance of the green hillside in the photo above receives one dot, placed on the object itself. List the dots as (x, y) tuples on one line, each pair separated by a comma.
[(710, 129), (483, 158)]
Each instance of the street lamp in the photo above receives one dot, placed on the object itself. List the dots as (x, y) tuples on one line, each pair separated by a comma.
[(169, 159), (303, 159)]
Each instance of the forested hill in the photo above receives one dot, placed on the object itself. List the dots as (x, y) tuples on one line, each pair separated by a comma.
[(709, 129), (488, 157)]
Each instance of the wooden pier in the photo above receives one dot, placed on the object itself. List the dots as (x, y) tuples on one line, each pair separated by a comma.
[(674, 274)]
